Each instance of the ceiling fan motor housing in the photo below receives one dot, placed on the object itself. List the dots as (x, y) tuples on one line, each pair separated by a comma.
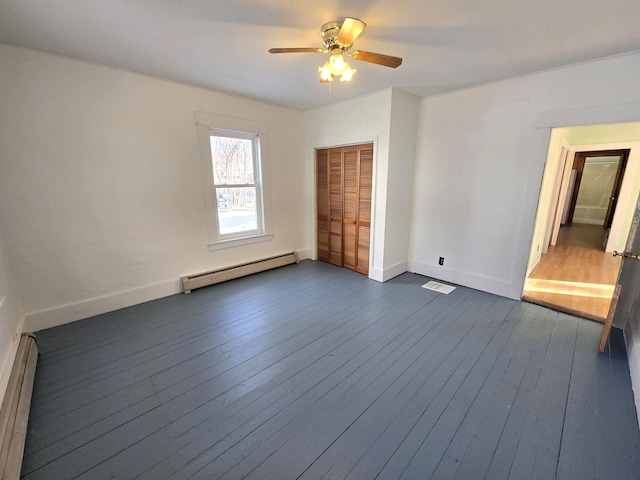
[(337, 38), (330, 32)]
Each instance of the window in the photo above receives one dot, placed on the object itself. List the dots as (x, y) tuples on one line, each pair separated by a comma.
[(233, 156)]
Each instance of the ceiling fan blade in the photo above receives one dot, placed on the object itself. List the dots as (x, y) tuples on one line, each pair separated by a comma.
[(378, 58), (351, 28), (296, 50)]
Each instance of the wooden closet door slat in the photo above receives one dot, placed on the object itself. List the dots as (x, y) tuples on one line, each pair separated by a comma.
[(335, 206), (365, 188), (322, 204), (350, 206)]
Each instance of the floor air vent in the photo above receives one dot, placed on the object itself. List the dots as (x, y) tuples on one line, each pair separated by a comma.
[(439, 287)]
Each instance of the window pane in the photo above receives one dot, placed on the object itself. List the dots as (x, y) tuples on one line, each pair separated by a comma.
[(232, 160), (237, 209)]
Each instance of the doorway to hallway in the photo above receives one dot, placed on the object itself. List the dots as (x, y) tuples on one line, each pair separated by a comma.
[(576, 275), (571, 267)]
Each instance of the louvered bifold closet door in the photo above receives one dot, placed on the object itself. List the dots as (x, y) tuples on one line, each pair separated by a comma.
[(335, 206), (350, 206), (365, 183), (322, 204), (343, 198)]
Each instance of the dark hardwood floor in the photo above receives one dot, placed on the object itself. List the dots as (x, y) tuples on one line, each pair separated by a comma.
[(312, 371), (582, 235)]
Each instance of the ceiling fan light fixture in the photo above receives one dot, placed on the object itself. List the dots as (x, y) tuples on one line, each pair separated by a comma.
[(329, 70), (325, 73), (337, 38), (348, 73), (338, 63)]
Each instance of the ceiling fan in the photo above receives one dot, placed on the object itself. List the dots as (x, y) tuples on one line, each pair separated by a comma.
[(338, 37)]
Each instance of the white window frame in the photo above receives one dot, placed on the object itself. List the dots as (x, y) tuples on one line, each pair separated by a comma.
[(208, 125)]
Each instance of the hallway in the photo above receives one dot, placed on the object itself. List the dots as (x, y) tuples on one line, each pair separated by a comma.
[(575, 276)]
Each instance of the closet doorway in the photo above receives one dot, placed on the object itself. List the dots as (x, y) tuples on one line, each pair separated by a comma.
[(343, 205)]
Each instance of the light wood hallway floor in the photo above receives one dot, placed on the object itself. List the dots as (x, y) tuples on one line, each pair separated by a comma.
[(576, 276), (313, 371)]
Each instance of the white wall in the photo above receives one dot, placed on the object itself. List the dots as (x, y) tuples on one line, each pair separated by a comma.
[(10, 317), (388, 118), (402, 152), (544, 217), (479, 164), (101, 201)]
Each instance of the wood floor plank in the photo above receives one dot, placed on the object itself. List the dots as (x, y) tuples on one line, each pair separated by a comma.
[(150, 369), (156, 313), (494, 413), (179, 398), (433, 402), (484, 403), (213, 313), (513, 425), (342, 361), (593, 440), (396, 427), (262, 443), (201, 428), (372, 407), (449, 423), (539, 443), (313, 371), (93, 421), (372, 424)]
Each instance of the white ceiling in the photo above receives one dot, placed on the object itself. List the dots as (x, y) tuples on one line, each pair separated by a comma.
[(222, 44)]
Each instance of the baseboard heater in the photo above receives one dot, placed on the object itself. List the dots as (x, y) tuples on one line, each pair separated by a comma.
[(14, 412), (191, 282)]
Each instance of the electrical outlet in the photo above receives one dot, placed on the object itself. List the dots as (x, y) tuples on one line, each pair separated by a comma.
[(441, 261)]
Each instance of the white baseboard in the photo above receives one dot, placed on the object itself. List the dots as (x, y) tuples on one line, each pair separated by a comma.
[(382, 275), (303, 253), (440, 272), (71, 312), (588, 221), (394, 270), (533, 265), (376, 274), (632, 341)]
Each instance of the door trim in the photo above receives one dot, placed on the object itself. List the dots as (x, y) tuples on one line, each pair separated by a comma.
[(615, 191)]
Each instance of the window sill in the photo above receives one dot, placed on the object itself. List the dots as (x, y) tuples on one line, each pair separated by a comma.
[(237, 242)]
